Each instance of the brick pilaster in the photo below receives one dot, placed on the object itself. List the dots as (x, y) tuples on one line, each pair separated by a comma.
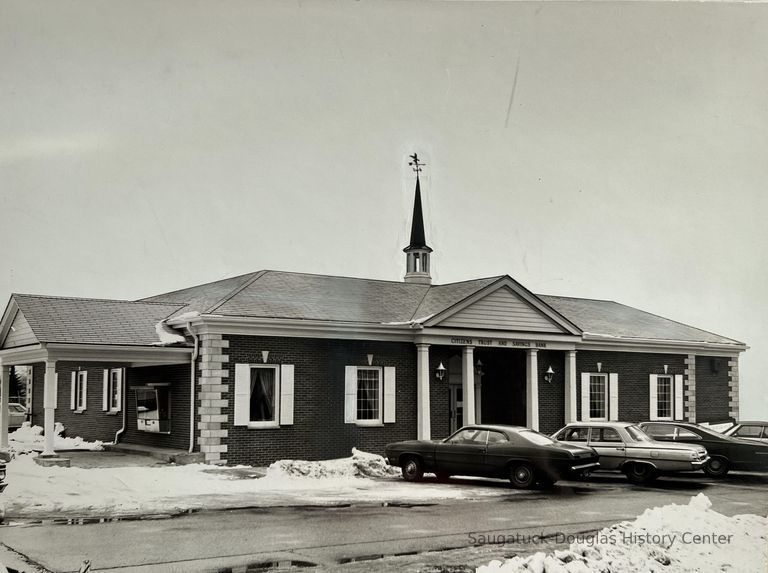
[(689, 400), (212, 398), (733, 387)]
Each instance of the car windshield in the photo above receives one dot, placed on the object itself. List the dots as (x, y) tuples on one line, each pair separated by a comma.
[(537, 438), (637, 434)]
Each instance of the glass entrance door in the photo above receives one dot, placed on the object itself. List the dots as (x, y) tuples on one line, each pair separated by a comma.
[(457, 406)]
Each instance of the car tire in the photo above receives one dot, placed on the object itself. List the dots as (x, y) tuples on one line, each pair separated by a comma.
[(716, 467), (521, 475), (413, 470), (639, 474)]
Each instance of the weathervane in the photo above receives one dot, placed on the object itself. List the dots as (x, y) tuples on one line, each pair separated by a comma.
[(416, 164)]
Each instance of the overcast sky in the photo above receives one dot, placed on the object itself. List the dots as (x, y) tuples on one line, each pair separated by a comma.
[(599, 150)]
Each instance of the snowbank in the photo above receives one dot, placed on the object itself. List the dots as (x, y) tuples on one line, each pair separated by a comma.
[(30, 438), (673, 539), (360, 465), (37, 491)]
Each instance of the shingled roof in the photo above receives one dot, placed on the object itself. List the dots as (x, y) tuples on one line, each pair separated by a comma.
[(286, 295), (93, 321)]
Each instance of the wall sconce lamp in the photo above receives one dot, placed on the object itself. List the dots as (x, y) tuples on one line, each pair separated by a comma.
[(666, 368), (479, 368), (549, 374), (264, 356), (370, 359), (599, 366), (440, 372)]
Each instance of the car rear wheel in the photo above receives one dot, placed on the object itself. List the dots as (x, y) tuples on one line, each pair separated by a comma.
[(716, 467), (521, 475), (640, 473), (412, 469)]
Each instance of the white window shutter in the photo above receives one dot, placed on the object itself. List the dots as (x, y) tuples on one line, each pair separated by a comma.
[(55, 390), (120, 383), (585, 396), (350, 394), (72, 391), (678, 396), (105, 392), (653, 387), (85, 389), (286, 395), (613, 397), (242, 394), (389, 394)]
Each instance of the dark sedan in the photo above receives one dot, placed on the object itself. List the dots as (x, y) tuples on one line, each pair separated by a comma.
[(725, 452), (524, 456)]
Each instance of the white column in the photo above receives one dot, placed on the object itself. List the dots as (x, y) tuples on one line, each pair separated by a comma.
[(468, 385), (532, 389), (423, 431), (570, 386), (49, 403), (5, 373)]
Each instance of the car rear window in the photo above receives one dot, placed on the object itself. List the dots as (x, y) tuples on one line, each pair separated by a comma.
[(537, 438), (749, 432), (496, 438)]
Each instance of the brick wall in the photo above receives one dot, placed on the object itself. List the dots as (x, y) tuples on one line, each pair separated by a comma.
[(551, 394), (634, 369), (319, 430), (439, 394), (91, 424), (178, 377), (712, 389)]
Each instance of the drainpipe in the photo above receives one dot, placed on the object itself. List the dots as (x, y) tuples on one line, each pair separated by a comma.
[(192, 390), (123, 399)]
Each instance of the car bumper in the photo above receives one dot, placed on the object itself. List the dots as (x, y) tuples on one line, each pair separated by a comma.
[(585, 467)]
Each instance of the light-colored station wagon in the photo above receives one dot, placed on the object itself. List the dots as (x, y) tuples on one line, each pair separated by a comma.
[(625, 447)]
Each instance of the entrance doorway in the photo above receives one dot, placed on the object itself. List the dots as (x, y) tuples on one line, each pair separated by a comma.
[(457, 406)]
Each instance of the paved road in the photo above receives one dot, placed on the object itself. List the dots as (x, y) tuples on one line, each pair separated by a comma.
[(217, 541)]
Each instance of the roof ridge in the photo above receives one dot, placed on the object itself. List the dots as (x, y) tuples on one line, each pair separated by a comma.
[(197, 286), (421, 301), (53, 297), (494, 277), (343, 277), (235, 291), (579, 298)]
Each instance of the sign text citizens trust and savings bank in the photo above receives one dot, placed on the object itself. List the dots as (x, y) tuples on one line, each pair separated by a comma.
[(497, 342)]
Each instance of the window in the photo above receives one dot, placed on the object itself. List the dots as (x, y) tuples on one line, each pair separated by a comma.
[(536, 438), (370, 396), (153, 409), (263, 403), (685, 435), (660, 431), (496, 438), (469, 436), (263, 395), (664, 397), (749, 431), (605, 435), (598, 392), (576, 434), (79, 396), (113, 390)]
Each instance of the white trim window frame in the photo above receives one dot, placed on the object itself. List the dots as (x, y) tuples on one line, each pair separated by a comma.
[(665, 397), (369, 401), (79, 402), (115, 390), (598, 397), (259, 385)]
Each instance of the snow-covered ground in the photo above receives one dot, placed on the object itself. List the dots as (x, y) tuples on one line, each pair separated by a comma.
[(30, 438), (674, 539), (35, 490)]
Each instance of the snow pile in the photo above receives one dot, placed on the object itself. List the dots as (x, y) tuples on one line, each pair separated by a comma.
[(359, 465), (30, 438), (167, 335), (673, 539), (35, 491)]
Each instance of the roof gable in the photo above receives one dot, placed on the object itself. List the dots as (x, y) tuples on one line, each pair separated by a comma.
[(19, 333), (504, 305)]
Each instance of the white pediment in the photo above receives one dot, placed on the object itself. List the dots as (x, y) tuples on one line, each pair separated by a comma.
[(504, 309), (19, 333)]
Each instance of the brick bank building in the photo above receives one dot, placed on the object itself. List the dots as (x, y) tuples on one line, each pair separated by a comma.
[(274, 365)]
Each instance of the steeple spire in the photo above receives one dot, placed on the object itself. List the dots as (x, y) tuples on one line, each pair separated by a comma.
[(417, 252)]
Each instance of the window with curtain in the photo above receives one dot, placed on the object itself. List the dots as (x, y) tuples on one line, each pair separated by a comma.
[(664, 397), (597, 396), (263, 393), (368, 393)]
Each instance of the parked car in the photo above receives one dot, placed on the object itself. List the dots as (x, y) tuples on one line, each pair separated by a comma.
[(625, 447), (757, 431), (524, 456), (3, 483), (17, 415), (726, 452)]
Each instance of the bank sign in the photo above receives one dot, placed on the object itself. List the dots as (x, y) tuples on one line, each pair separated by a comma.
[(514, 343)]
